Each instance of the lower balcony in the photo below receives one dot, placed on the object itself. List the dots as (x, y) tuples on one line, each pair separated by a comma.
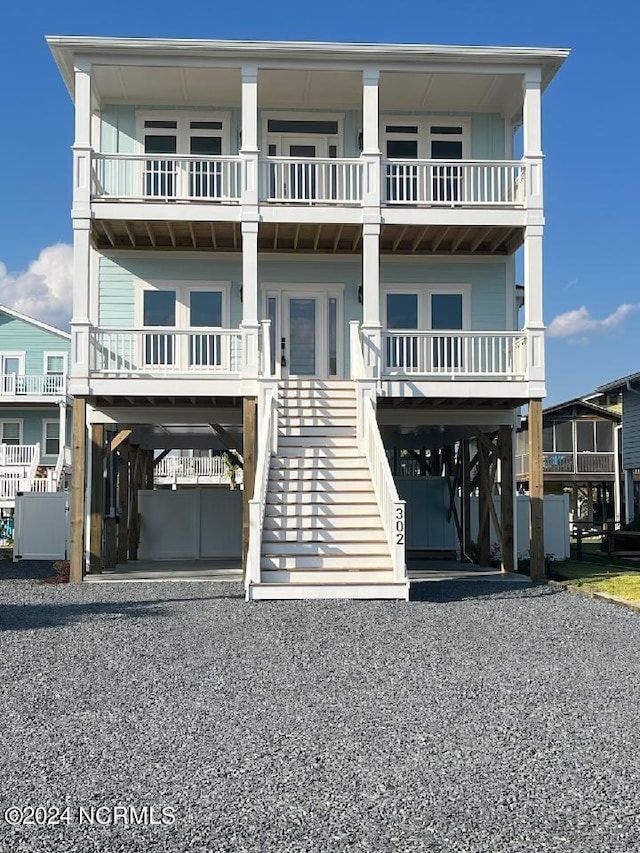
[(195, 471), (157, 352), (454, 355)]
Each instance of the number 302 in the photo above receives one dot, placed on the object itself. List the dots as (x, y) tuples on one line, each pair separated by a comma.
[(399, 525)]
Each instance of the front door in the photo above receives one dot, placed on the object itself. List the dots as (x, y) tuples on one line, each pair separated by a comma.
[(298, 181), (306, 341), (302, 335)]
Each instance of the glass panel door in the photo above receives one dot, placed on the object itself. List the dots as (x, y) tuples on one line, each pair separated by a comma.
[(205, 176), (205, 311), (159, 309), (446, 144), (302, 176), (12, 368), (446, 313), (402, 178), (303, 337), (160, 175), (402, 313)]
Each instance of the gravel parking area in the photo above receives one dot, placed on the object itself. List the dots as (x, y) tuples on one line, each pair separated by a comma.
[(482, 717)]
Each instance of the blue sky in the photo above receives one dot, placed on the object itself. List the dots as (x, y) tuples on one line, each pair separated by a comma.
[(592, 186)]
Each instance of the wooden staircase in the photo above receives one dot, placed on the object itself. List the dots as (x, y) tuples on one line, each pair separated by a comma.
[(322, 534)]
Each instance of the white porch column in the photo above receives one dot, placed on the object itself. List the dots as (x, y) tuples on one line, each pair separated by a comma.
[(249, 323), (533, 319), (370, 137), (371, 327), (81, 216), (249, 150), (532, 137)]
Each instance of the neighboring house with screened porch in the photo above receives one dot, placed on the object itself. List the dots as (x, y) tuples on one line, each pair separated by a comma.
[(34, 409), (304, 254)]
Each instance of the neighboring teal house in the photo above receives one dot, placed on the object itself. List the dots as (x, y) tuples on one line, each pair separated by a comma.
[(34, 408)]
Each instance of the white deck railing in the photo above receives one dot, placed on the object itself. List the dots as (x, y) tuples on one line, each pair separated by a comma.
[(267, 446), (161, 352), (167, 178), (454, 182), (19, 454), (38, 385), (194, 469), (311, 181), (454, 354)]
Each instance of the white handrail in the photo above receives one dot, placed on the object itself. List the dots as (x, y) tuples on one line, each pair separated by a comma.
[(454, 182), (267, 446), (35, 462), (454, 353), (13, 384), (158, 350), (317, 180), (18, 454), (167, 177), (392, 509)]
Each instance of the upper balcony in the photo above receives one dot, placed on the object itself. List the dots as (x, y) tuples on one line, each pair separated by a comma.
[(48, 387), (177, 143)]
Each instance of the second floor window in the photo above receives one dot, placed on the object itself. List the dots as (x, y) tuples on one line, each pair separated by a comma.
[(192, 140)]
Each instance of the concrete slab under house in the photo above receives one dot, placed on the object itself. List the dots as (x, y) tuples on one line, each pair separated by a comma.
[(296, 337)]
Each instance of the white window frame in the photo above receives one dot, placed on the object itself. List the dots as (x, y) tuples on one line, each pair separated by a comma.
[(182, 131), (328, 139), (425, 292), (21, 356), (183, 290), (45, 423), (55, 354), (424, 135), (20, 422)]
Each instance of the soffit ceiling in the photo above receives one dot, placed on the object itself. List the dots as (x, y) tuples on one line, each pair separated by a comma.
[(314, 89)]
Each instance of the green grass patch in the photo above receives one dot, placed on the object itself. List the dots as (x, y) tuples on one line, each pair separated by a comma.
[(600, 578)]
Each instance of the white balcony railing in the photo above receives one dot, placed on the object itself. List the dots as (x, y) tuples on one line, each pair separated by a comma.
[(151, 177), (12, 384), (454, 354), (21, 455), (157, 351), (194, 469), (454, 183), (311, 181)]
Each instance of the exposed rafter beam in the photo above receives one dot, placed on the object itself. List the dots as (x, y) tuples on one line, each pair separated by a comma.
[(480, 238), (150, 234), (420, 238), (356, 239), (235, 236), (497, 240), (399, 238), (455, 245), (296, 237), (130, 234), (172, 234), (439, 240), (107, 230), (336, 239), (214, 242), (193, 235), (275, 236), (317, 238)]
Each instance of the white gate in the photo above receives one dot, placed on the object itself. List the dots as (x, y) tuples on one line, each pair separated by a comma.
[(41, 526)]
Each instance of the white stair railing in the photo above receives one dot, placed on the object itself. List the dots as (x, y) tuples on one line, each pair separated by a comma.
[(392, 509), (267, 446)]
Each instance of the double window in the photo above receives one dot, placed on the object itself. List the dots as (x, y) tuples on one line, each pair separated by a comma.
[(431, 308), (184, 318), (51, 437), (437, 139), (193, 140), (11, 432)]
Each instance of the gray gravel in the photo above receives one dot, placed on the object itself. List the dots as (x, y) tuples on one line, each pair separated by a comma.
[(483, 717)]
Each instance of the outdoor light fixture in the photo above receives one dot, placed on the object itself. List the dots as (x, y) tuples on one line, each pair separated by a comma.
[(360, 294), (240, 293)]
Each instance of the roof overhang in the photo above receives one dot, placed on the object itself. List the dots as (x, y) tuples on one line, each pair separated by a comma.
[(67, 50)]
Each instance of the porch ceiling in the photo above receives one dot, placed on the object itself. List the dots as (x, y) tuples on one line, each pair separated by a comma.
[(331, 89), (332, 238)]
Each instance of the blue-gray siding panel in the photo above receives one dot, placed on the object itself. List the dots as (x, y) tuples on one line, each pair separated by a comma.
[(19, 336), (630, 429), (32, 425)]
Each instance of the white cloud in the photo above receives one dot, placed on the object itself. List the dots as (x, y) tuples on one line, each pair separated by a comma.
[(44, 290), (579, 322)]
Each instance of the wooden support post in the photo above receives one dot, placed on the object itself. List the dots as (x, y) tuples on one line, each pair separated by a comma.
[(134, 474), (506, 496), (536, 491), (249, 406), (484, 524), (466, 497), (78, 485), (123, 504), (110, 539), (97, 498)]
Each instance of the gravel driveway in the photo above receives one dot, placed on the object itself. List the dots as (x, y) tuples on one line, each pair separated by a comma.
[(484, 717)]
